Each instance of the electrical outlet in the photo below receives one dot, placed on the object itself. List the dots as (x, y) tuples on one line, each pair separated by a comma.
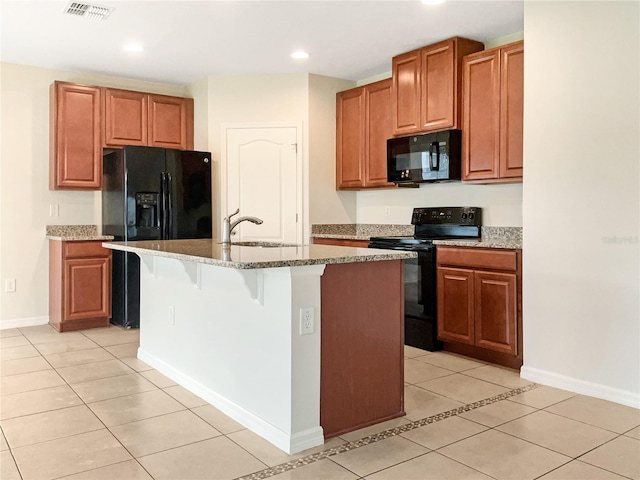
[(172, 315), (306, 321), (53, 210), (10, 285), (387, 211)]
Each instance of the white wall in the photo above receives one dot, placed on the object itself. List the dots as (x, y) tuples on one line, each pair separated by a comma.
[(326, 205), (24, 188), (253, 99), (501, 204), (199, 91), (581, 197), (305, 98)]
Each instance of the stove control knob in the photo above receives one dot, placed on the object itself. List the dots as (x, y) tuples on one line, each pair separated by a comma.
[(464, 215), (471, 215)]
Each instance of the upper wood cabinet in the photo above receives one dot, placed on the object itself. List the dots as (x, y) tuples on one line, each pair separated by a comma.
[(138, 118), (84, 119), (427, 86), (75, 137), (363, 124), (125, 117), (493, 114)]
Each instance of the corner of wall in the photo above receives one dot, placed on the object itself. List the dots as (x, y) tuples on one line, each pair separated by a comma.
[(326, 204), (497, 42)]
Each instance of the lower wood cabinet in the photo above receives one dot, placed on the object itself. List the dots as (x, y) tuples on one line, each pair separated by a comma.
[(79, 285), (341, 242), (479, 303)]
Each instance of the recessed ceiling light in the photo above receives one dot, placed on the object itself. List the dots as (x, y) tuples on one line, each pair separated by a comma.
[(299, 55), (133, 48), (433, 2)]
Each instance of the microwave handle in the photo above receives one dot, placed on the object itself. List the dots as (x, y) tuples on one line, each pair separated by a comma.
[(434, 156)]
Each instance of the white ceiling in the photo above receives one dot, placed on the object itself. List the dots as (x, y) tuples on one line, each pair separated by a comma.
[(185, 41)]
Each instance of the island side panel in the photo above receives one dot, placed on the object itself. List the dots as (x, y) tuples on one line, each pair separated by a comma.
[(362, 342), (231, 337)]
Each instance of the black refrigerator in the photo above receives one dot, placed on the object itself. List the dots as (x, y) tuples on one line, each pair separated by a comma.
[(151, 193)]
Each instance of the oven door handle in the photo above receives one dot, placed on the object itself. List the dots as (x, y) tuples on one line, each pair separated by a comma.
[(404, 249)]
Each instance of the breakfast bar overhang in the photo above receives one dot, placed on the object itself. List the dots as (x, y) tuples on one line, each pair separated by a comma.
[(295, 342)]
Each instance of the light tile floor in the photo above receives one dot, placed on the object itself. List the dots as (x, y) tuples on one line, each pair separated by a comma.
[(79, 405)]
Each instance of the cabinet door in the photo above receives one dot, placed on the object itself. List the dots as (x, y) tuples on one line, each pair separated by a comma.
[(125, 117), (455, 305), (406, 92), (481, 116), (168, 122), (76, 144), (378, 128), (496, 311), (87, 292), (437, 86), (511, 110), (349, 138)]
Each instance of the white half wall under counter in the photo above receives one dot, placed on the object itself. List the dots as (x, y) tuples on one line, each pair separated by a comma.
[(243, 327)]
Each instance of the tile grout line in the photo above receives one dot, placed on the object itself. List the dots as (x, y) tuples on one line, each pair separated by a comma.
[(86, 405), (348, 446), (133, 457)]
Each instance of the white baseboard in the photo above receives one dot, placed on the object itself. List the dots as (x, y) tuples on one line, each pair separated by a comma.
[(624, 397), (288, 443), (23, 322)]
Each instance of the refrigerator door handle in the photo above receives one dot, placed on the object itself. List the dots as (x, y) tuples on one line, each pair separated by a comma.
[(163, 205), (169, 207)]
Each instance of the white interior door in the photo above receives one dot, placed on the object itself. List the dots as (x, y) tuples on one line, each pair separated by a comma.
[(264, 180)]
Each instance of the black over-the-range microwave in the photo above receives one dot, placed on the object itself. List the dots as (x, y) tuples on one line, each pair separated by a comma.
[(430, 157)]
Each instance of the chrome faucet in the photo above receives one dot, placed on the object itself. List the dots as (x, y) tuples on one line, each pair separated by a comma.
[(228, 225)]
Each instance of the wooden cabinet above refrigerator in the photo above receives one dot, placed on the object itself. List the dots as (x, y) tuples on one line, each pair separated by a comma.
[(86, 118)]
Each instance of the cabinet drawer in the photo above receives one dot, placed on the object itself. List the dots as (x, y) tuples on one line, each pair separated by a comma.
[(340, 242), (477, 258), (85, 249)]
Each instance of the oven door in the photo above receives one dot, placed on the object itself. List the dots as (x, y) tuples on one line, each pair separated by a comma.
[(420, 323)]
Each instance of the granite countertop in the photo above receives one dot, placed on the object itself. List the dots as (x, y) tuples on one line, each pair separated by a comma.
[(361, 231), (248, 257), (491, 237), (75, 233)]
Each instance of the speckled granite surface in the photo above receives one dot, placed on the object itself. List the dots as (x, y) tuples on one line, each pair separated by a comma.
[(363, 231), (492, 237), (75, 233), (247, 257)]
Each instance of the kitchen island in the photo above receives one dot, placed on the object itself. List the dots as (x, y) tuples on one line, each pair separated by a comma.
[(296, 342)]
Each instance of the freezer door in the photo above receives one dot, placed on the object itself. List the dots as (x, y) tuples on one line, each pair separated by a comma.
[(144, 168), (113, 199), (189, 186)]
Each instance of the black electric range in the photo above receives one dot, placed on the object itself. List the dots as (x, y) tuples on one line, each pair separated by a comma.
[(443, 223)]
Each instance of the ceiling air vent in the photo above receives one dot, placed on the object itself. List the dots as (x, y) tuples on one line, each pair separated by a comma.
[(87, 11)]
